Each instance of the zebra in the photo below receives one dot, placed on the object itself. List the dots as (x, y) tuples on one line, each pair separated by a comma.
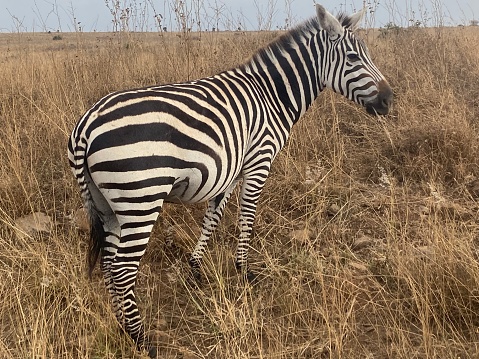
[(196, 141)]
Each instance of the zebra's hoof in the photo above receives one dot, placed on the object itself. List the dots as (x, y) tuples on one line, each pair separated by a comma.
[(251, 277), (153, 352), (195, 279)]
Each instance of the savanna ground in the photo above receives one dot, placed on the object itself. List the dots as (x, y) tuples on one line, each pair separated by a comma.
[(367, 234)]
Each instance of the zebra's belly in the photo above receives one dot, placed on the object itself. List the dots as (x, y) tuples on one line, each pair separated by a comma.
[(140, 178), (195, 187)]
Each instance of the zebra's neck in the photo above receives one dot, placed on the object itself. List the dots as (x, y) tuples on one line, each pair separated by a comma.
[(287, 70)]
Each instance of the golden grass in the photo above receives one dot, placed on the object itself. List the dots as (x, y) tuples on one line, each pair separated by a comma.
[(366, 235)]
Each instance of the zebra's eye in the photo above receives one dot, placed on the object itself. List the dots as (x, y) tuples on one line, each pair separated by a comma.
[(353, 57)]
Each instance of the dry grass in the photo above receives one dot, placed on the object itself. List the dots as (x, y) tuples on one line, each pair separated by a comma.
[(366, 234)]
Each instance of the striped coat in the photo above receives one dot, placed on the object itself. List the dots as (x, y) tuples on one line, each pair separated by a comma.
[(195, 141)]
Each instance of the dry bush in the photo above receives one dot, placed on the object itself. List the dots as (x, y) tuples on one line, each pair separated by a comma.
[(366, 233)]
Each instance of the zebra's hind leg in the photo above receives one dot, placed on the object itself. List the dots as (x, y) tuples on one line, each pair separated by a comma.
[(106, 263), (105, 236), (108, 253), (123, 262), (212, 217)]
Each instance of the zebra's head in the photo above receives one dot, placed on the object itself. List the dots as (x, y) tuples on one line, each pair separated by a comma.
[(346, 66)]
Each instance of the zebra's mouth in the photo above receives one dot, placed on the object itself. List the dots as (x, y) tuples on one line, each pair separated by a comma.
[(374, 109), (383, 100)]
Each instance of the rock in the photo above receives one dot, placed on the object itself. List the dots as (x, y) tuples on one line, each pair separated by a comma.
[(426, 252), (333, 209), (33, 224), (174, 273), (309, 183), (85, 341), (358, 266), (187, 354), (473, 188), (301, 235), (424, 210), (7, 181), (45, 282), (362, 242)]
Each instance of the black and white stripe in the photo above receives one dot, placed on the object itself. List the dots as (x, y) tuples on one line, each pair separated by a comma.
[(195, 141)]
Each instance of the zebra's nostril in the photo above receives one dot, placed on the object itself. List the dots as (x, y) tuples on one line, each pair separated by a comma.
[(385, 96), (385, 100)]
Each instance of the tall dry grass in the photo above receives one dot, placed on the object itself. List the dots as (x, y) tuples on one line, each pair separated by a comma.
[(366, 235)]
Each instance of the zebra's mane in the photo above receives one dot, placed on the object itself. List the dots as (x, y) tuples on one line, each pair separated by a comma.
[(345, 20), (286, 40), (290, 37)]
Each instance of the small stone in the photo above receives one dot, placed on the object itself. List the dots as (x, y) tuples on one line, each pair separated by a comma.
[(358, 266), (426, 252), (33, 224), (362, 242), (309, 183), (473, 188), (367, 328), (301, 235), (187, 354), (162, 323), (173, 273), (45, 282), (423, 210), (333, 209)]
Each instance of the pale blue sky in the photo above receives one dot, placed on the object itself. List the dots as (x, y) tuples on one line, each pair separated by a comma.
[(90, 15)]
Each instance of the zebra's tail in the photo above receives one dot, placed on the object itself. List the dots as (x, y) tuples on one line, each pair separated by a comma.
[(76, 154), (97, 238)]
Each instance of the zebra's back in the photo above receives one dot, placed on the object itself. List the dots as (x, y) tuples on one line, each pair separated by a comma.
[(192, 133)]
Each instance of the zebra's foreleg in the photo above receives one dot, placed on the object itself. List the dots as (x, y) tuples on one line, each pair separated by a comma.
[(250, 192), (212, 217)]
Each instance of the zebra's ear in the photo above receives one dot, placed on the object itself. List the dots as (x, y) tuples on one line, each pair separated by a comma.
[(355, 19), (328, 22)]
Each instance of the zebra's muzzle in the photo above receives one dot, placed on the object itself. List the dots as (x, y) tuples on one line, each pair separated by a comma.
[(382, 102)]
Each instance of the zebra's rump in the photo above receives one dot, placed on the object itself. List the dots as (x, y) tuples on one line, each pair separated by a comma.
[(183, 164)]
